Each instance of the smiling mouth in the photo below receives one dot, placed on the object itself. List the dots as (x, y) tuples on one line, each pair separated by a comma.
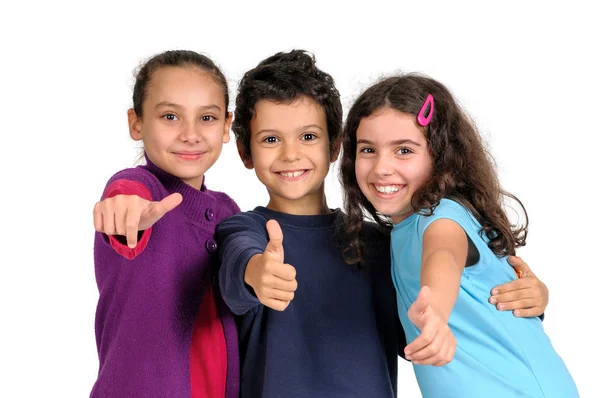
[(189, 155), (390, 189), (292, 175)]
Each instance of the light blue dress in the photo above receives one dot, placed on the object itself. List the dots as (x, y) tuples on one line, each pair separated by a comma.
[(497, 354)]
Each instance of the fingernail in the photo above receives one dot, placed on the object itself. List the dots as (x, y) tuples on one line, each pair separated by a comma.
[(517, 313), (493, 301), (495, 291), (408, 357), (501, 306)]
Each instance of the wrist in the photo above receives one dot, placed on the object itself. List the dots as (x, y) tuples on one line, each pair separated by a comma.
[(250, 269)]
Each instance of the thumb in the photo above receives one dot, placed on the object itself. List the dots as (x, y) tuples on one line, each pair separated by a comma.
[(156, 210), (275, 244), (168, 204), (520, 266), (418, 308)]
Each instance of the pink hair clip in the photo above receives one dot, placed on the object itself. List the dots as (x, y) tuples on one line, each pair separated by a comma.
[(424, 121)]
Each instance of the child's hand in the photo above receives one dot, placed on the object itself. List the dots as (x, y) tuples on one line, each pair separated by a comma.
[(128, 214), (526, 296), (274, 282), (436, 344)]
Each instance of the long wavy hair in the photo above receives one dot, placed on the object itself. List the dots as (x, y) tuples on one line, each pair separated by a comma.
[(463, 170)]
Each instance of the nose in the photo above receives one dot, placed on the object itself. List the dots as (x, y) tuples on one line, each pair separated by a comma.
[(383, 166), (191, 133), (290, 153)]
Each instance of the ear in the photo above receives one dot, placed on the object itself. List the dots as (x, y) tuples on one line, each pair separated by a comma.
[(335, 150), (244, 156), (227, 127), (135, 125)]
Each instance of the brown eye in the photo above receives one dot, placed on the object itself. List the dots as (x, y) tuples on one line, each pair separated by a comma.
[(270, 140), (170, 117)]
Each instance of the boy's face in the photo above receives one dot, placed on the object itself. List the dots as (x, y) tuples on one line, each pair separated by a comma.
[(290, 152)]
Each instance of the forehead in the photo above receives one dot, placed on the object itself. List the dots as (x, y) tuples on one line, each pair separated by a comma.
[(389, 124), (287, 117), (186, 85)]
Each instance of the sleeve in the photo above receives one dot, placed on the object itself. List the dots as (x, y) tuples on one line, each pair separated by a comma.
[(239, 238), (447, 209), (117, 242)]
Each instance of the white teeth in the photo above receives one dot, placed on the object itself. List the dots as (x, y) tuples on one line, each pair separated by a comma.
[(387, 188), (292, 174)]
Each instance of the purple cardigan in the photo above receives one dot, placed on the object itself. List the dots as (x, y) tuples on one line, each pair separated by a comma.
[(148, 305)]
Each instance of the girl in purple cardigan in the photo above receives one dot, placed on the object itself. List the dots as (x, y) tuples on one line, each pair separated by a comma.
[(162, 329)]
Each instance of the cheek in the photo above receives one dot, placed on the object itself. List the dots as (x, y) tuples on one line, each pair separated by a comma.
[(422, 171), (261, 158), (362, 169)]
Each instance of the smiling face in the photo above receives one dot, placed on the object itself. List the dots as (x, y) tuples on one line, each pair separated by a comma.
[(184, 123), (290, 153), (392, 161)]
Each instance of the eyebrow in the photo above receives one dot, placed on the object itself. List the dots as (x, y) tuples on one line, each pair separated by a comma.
[(393, 143), (173, 105), (305, 127)]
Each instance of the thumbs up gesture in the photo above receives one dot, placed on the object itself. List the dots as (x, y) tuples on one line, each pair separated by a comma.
[(436, 344), (128, 214), (274, 282)]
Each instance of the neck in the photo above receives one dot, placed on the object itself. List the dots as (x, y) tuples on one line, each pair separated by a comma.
[(309, 205), (401, 217)]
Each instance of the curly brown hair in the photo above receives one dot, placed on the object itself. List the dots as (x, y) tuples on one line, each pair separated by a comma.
[(284, 78), (463, 170)]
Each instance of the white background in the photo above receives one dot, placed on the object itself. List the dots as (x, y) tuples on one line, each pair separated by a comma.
[(524, 71)]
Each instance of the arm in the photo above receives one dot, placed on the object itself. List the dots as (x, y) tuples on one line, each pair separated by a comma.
[(252, 270), (444, 255)]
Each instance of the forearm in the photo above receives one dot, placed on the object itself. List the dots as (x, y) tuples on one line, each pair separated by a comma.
[(442, 274), (234, 289)]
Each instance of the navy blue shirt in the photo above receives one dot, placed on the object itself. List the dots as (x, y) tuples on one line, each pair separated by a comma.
[(340, 335)]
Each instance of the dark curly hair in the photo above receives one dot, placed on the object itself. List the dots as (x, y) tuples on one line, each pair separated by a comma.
[(463, 170), (283, 78)]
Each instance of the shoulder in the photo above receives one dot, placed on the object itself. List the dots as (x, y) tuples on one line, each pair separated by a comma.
[(227, 207), (141, 176), (447, 209), (450, 206), (243, 221)]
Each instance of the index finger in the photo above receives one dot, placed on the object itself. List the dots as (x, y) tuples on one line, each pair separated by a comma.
[(517, 284), (422, 341), (132, 221), (286, 272), (98, 225)]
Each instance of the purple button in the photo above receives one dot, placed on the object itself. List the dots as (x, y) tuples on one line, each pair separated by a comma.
[(211, 245), (209, 214)]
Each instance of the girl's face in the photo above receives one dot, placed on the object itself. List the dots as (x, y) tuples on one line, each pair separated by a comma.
[(184, 124), (392, 161)]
